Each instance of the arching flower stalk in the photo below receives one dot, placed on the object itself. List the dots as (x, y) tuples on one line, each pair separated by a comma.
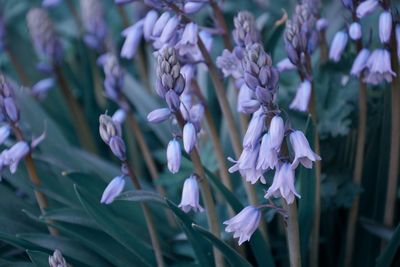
[(110, 133)]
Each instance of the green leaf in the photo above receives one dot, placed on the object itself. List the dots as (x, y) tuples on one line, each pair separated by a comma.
[(70, 215), (230, 254), (201, 248), (387, 256), (110, 225), (38, 258), (141, 196)]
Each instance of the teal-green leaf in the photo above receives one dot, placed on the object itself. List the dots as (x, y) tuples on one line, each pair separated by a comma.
[(141, 195), (40, 259), (387, 256)]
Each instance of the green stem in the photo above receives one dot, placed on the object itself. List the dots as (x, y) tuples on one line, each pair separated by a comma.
[(292, 234)]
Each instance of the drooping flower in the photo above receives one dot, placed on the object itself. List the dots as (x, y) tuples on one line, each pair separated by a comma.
[(268, 156), (283, 184), (367, 7), (190, 195), (244, 224), (302, 98), (113, 190), (254, 130), (159, 115), (230, 65), (12, 156), (174, 156), (133, 35), (385, 26), (302, 150), (378, 67), (189, 137), (355, 31), (360, 62), (148, 24), (188, 42), (285, 65), (276, 132), (117, 146), (338, 45), (247, 165)]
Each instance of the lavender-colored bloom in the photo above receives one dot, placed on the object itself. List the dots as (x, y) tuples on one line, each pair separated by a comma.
[(360, 62), (4, 133), (367, 7), (148, 24), (119, 116), (385, 26), (117, 146), (276, 132), (13, 155), (121, 2), (188, 71), (11, 110), (283, 184), (57, 259), (397, 32), (113, 189), (355, 32), (192, 7), (133, 35), (169, 29), (246, 165), (50, 3), (160, 24), (285, 65), (174, 156), (108, 128), (245, 32), (229, 64), (321, 24), (244, 224), (302, 150), (94, 24), (378, 67), (302, 98), (245, 95), (268, 156), (114, 77), (254, 130), (159, 115), (40, 88), (172, 99), (190, 195), (188, 42), (189, 137), (338, 45)]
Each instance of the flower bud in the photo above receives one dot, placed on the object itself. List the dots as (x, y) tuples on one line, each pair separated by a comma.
[(190, 195), (107, 128), (321, 24), (366, 8), (174, 156), (254, 131), (132, 35), (113, 189), (360, 62), (149, 21), (268, 156), (5, 132), (117, 146), (159, 115), (355, 31), (172, 100), (303, 94), (276, 132), (169, 29), (13, 156), (338, 45), (385, 26), (160, 24), (11, 109), (192, 7), (189, 137)]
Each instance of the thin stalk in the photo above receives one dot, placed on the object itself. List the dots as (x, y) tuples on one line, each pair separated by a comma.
[(81, 124), (23, 77), (148, 159), (323, 47), (358, 167), (219, 17), (212, 217), (292, 234), (395, 135), (74, 13), (34, 177), (149, 220)]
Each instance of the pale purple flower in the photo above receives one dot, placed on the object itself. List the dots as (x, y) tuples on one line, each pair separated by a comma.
[(174, 156), (230, 64), (11, 110), (367, 7), (117, 146), (94, 24), (121, 2), (321, 24), (398, 39), (50, 3), (113, 189), (268, 156), (189, 137), (254, 130), (133, 35), (148, 24), (385, 26), (355, 32), (5, 131), (169, 30), (190, 195), (245, 95), (276, 132), (159, 115), (244, 224), (338, 45), (192, 7), (57, 259), (285, 65), (40, 88), (302, 150), (119, 116), (360, 62), (378, 67), (172, 99), (283, 184), (160, 24), (12, 156), (246, 165), (188, 42), (187, 72), (302, 98)]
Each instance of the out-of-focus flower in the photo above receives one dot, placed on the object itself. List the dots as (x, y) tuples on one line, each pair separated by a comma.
[(174, 156), (245, 32), (51, 3), (12, 156), (119, 116), (169, 30), (285, 65), (57, 259), (229, 64), (159, 115), (378, 67), (192, 7), (397, 32), (113, 189), (117, 146), (148, 24), (41, 88), (367, 7), (188, 42), (133, 35), (190, 195), (302, 98), (94, 24), (385, 26), (321, 24), (5, 131), (283, 184), (302, 150), (360, 62), (244, 224), (355, 32), (114, 76), (338, 45)]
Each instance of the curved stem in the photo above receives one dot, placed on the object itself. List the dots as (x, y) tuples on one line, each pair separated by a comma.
[(219, 17), (292, 234), (149, 219)]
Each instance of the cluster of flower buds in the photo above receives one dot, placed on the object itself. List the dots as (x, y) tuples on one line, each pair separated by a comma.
[(110, 133), (43, 36), (57, 259), (9, 116), (94, 24), (374, 67)]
